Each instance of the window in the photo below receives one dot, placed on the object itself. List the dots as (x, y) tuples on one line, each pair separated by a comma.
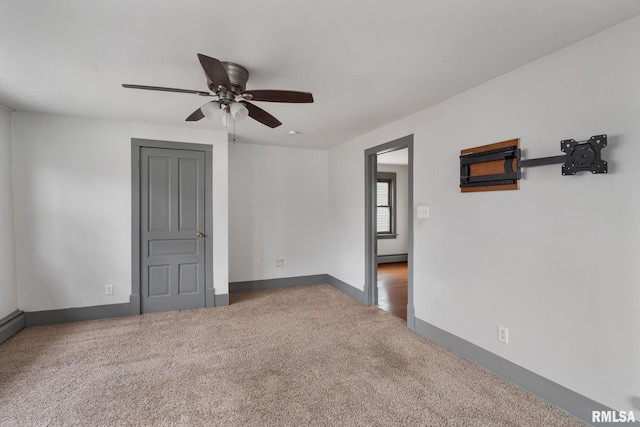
[(386, 205)]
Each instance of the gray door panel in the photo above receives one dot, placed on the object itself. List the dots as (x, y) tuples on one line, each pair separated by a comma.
[(172, 213)]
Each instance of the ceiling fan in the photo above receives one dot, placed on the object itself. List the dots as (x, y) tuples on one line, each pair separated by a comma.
[(227, 83)]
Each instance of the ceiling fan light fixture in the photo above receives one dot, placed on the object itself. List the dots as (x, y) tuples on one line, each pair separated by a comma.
[(238, 111), (210, 110), (226, 118)]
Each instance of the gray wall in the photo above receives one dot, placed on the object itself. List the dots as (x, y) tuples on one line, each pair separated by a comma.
[(8, 283)]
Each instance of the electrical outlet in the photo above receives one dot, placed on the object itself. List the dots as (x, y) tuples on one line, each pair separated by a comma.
[(279, 263), (503, 334), (108, 289), (423, 212)]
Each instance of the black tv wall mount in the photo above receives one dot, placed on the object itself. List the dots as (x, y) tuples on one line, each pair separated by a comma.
[(578, 156), (497, 166)]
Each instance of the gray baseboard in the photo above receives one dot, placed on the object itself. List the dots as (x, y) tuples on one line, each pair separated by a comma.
[(11, 325), (386, 259), (569, 401), (283, 282), (134, 304), (210, 297), (411, 317), (345, 288), (48, 317), (222, 300)]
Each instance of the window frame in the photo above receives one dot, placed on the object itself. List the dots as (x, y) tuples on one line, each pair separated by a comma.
[(389, 177)]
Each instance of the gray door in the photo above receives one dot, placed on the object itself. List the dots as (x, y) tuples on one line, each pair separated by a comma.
[(172, 229)]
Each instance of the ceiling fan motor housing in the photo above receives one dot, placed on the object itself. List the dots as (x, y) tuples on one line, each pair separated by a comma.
[(238, 76)]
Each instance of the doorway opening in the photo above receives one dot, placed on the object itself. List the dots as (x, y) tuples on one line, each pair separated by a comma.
[(389, 228), (392, 227)]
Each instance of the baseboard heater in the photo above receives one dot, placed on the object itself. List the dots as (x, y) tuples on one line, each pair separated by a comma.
[(386, 259), (11, 325)]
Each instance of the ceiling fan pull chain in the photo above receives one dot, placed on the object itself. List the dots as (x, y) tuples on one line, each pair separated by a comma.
[(234, 130)]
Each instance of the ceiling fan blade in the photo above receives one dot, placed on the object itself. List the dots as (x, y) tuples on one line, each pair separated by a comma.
[(215, 71), (278, 96), (260, 115), (166, 89), (195, 116)]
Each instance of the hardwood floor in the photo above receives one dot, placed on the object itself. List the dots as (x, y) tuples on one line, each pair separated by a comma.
[(392, 288)]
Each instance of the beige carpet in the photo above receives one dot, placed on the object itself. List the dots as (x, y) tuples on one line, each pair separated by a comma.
[(297, 356)]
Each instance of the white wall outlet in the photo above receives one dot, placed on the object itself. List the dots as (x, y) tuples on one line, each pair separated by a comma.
[(423, 211), (279, 263), (108, 289), (503, 334)]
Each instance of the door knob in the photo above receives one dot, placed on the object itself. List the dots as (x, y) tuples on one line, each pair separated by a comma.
[(200, 234)]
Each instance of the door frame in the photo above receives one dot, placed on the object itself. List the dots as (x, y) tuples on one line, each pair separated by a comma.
[(371, 262), (136, 261)]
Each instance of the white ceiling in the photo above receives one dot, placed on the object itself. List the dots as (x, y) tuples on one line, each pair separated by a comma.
[(397, 157), (367, 63)]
